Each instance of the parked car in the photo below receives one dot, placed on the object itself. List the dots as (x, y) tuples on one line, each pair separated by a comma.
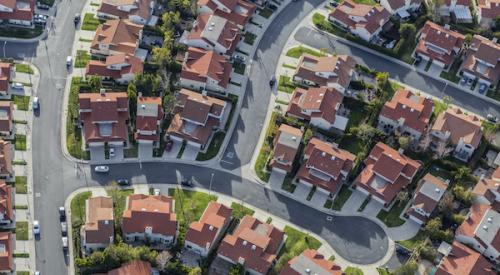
[(272, 81), (418, 59), (42, 6), (69, 61), (482, 88), (169, 145), (123, 182), (36, 103), (469, 81), (64, 243), (156, 192), (64, 228), (187, 183), (491, 118), (36, 228), (101, 169), (62, 213), (463, 80), (111, 152), (239, 57), (76, 19), (17, 85), (41, 16)]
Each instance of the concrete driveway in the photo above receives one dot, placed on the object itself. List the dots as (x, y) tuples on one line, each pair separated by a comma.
[(435, 69), (301, 191), (404, 232), (145, 151), (354, 202), (372, 208), (97, 153), (319, 198), (190, 152), (276, 179)]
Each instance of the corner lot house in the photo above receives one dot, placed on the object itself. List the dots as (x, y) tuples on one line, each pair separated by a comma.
[(137, 11), (104, 119), (121, 68), (254, 244), (311, 262), (17, 12), (325, 166), (6, 124), (330, 71), (439, 44), (149, 218), (462, 130), (135, 267), (480, 231), (213, 33), (204, 234), (459, 10), (387, 171), (463, 260), (320, 106), (6, 157), (116, 37), (364, 21), (239, 11), (148, 120), (286, 145), (6, 250), (401, 7), (205, 70), (427, 196), (6, 209), (487, 11), (196, 117), (482, 61), (407, 113), (5, 75), (99, 229), (487, 191)]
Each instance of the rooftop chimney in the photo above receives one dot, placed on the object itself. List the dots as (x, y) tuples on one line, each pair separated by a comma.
[(102, 91)]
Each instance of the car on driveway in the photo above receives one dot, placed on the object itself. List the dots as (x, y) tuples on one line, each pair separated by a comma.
[(101, 169), (42, 6), (169, 145), (36, 228), (491, 118), (17, 85), (239, 57), (482, 88), (111, 152), (463, 80), (123, 182), (186, 182)]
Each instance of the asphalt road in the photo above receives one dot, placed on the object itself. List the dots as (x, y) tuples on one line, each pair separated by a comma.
[(313, 38)]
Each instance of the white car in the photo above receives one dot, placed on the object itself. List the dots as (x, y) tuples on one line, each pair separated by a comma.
[(69, 61), (101, 169), (64, 242), (111, 152), (36, 103), (17, 85), (156, 192), (36, 227)]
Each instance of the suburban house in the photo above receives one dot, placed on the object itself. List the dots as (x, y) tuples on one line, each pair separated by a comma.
[(458, 10), (286, 145), (148, 120), (121, 68), (6, 157), (325, 166), (5, 75), (239, 11), (402, 8), (387, 171), (6, 124), (487, 191), (481, 231), (364, 21), (137, 11), (213, 33), (99, 229), (196, 118), (254, 244), (462, 130), (439, 44), (330, 71), (482, 61), (205, 70), (6, 209), (407, 114), (487, 12), (104, 118), (149, 218), (135, 267), (463, 260), (117, 36), (202, 236), (427, 196), (311, 262), (6, 252), (17, 12), (320, 106)]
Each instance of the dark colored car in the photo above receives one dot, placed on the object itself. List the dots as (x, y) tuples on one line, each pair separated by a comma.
[(187, 183), (123, 182), (169, 145), (76, 19), (42, 6)]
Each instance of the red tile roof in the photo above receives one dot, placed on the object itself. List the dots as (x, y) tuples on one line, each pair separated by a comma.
[(464, 261), (286, 150), (120, 35), (329, 160), (6, 202), (476, 214), (108, 108), (415, 110), (460, 125), (369, 17), (200, 65), (483, 51), (114, 8), (489, 9), (99, 227), (340, 67), (5, 72), (135, 267), (425, 200), (115, 66), (214, 29), (397, 4), (6, 249), (149, 211), (22, 10), (434, 35), (146, 120), (256, 242), (387, 171), (238, 12), (6, 151), (215, 217), (321, 102), (6, 112), (313, 261)]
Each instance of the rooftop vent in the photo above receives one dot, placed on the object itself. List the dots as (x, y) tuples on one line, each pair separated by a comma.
[(485, 227), (211, 228), (143, 106), (245, 242), (210, 28), (253, 247), (333, 157), (323, 154), (294, 138), (438, 190), (490, 219)]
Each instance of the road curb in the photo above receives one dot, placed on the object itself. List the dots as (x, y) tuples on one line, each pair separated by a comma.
[(42, 36)]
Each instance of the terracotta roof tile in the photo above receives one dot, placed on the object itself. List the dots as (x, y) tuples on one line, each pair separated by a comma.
[(6, 151), (120, 35), (135, 267), (286, 145), (22, 10), (372, 17), (214, 29), (142, 8), (489, 9), (320, 102), (460, 125), (5, 74), (6, 250), (200, 65), (340, 67), (435, 38), (483, 51), (311, 260), (464, 261), (99, 227), (149, 113), (215, 217), (129, 64), (6, 201)]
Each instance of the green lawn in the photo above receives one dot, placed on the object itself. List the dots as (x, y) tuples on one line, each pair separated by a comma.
[(239, 211), (289, 66), (266, 13), (82, 58), (73, 134), (78, 208), (239, 68), (84, 40), (295, 244), (22, 231), (341, 197), (285, 84), (415, 241), (22, 102), (451, 74), (10, 31), (21, 185), (213, 148), (298, 51), (20, 142), (90, 22), (265, 151), (439, 107), (19, 162), (383, 271), (391, 218), (119, 201), (366, 2), (22, 273), (350, 270), (495, 94), (21, 255), (249, 38), (352, 144), (24, 68)]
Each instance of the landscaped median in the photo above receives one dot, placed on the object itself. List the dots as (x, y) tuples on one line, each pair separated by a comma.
[(74, 141), (91, 22)]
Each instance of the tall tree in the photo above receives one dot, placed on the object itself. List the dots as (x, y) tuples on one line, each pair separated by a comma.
[(95, 83)]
